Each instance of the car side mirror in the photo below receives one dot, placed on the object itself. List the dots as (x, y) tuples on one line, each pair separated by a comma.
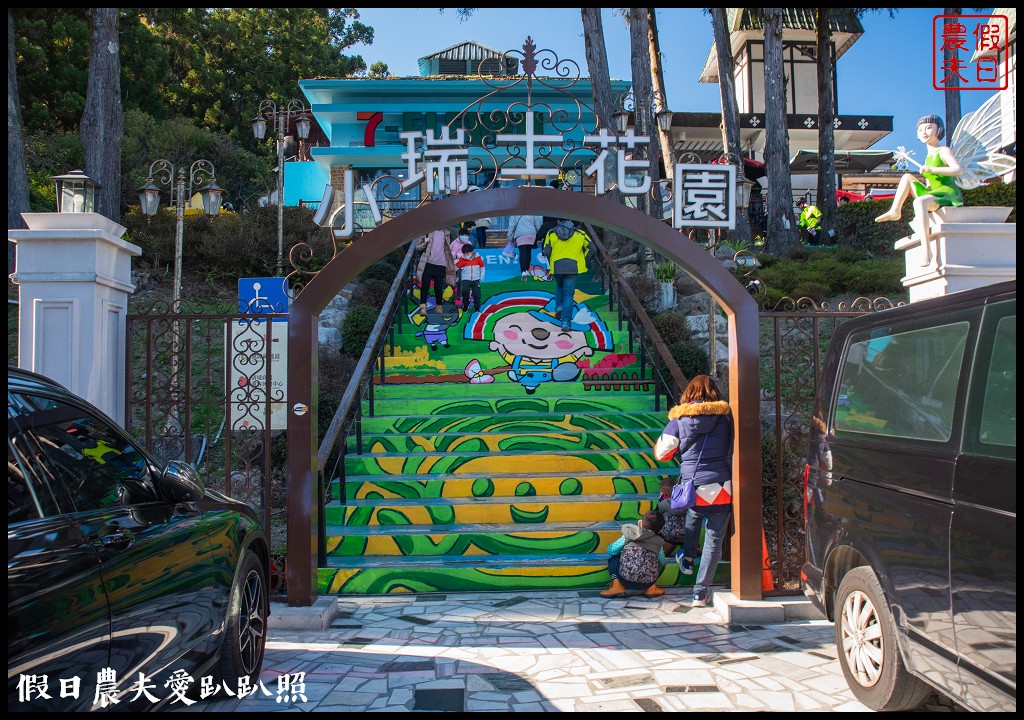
[(181, 482)]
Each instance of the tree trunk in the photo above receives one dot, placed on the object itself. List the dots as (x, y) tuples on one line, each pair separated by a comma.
[(17, 176), (782, 233), (640, 61), (604, 106), (658, 86), (730, 109), (102, 128), (952, 91), (826, 129), (597, 65)]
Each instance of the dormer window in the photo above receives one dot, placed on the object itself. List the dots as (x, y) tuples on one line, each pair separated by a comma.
[(468, 58)]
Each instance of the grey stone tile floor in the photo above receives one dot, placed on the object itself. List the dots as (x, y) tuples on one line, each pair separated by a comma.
[(547, 652)]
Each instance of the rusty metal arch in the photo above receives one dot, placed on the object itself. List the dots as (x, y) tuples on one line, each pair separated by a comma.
[(744, 379)]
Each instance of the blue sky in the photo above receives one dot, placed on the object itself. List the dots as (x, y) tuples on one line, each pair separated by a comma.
[(886, 72)]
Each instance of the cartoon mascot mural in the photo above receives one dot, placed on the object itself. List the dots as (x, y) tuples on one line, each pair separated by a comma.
[(522, 328), (436, 320)]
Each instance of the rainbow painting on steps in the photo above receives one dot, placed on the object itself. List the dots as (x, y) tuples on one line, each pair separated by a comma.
[(504, 455)]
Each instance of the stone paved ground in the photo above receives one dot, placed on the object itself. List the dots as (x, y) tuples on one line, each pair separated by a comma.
[(568, 651)]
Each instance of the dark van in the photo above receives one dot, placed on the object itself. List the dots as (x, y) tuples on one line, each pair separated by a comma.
[(911, 501)]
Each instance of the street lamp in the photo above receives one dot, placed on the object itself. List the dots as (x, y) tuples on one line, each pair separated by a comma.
[(645, 114), (281, 118), (162, 171)]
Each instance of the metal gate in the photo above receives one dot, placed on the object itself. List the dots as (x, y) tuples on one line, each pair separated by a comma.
[(198, 383), (794, 337)]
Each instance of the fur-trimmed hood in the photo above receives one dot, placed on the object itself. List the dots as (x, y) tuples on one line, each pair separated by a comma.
[(718, 407)]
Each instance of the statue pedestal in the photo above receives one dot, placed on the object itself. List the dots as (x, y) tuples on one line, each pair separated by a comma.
[(970, 247)]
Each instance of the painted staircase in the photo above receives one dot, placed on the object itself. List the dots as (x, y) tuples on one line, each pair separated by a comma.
[(470, 480)]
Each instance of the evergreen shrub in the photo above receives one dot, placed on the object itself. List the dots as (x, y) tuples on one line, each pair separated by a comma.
[(380, 270), (372, 293), (691, 358), (876, 277), (356, 328), (824, 273), (671, 325), (647, 291)]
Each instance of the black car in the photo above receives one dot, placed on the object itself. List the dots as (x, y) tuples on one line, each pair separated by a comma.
[(911, 500), (126, 581)]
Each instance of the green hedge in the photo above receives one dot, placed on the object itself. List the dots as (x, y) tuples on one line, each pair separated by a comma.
[(823, 273), (856, 227), (998, 195)]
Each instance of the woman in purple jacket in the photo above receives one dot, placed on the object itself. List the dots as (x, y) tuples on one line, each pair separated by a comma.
[(700, 427)]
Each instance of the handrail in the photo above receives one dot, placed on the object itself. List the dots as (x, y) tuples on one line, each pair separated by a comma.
[(673, 385), (353, 393)]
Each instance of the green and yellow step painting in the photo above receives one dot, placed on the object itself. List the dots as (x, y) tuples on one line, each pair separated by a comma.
[(504, 452)]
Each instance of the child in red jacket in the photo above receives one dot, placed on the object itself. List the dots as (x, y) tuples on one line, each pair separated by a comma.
[(472, 265)]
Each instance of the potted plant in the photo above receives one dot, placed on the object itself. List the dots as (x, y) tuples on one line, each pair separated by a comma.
[(665, 274)]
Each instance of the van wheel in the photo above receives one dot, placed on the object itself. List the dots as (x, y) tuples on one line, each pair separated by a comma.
[(246, 635), (866, 645)]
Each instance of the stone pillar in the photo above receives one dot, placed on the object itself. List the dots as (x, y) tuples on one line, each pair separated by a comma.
[(74, 278), (969, 247)]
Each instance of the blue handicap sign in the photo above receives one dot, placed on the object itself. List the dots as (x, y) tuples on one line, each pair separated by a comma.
[(263, 296)]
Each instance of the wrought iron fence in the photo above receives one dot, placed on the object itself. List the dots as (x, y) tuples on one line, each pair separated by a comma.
[(794, 339), (198, 381)]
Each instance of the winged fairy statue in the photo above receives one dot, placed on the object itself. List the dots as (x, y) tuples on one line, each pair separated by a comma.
[(969, 161)]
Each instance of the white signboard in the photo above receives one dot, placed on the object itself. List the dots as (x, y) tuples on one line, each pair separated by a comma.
[(247, 358), (704, 196)]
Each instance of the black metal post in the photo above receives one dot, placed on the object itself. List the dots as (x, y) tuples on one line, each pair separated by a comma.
[(359, 429), (370, 391), (643, 355), (321, 550)]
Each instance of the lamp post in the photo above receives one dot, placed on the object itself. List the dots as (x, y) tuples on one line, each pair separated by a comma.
[(281, 117), (163, 172)]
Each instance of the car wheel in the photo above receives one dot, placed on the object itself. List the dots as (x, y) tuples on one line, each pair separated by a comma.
[(866, 645), (246, 635)]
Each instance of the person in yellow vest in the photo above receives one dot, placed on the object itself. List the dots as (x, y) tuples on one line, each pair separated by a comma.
[(810, 221), (566, 248)]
